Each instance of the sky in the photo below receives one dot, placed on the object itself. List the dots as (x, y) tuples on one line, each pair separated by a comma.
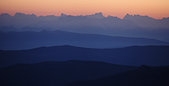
[(153, 8)]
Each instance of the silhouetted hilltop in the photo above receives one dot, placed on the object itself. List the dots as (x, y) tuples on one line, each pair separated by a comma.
[(136, 55), (152, 76), (57, 73)]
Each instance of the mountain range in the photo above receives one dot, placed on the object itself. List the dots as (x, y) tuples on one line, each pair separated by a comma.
[(90, 50), (129, 26), (30, 39)]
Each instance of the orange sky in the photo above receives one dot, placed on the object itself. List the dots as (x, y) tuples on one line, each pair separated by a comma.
[(153, 8)]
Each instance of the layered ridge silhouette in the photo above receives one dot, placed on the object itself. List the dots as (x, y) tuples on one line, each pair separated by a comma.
[(90, 50), (29, 39), (136, 55)]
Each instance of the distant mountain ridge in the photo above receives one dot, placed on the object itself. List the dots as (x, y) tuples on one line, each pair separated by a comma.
[(129, 26), (29, 39), (136, 55)]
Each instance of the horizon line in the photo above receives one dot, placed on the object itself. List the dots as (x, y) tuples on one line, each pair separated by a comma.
[(82, 15)]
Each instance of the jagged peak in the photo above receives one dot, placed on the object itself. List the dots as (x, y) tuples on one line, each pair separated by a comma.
[(64, 15), (113, 17), (22, 14), (127, 16), (19, 14), (99, 14), (4, 14), (136, 16)]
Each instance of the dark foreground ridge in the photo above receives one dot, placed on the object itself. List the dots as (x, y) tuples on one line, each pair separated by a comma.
[(57, 73), (148, 76), (136, 55)]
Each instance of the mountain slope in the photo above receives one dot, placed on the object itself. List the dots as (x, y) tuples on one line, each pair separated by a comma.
[(28, 40), (57, 73), (138, 55)]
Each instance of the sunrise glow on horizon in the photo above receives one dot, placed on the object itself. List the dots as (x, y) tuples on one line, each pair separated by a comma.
[(119, 8)]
